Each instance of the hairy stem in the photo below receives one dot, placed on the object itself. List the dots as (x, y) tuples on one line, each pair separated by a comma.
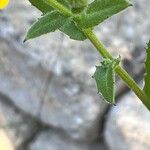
[(59, 7), (105, 54)]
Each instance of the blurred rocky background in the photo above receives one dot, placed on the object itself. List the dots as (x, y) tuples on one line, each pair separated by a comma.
[(48, 100)]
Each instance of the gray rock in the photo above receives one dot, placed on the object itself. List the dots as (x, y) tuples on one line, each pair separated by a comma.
[(60, 101), (18, 127), (128, 125), (52, 141)]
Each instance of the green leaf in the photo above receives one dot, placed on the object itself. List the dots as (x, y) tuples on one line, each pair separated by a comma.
[(44, 7), (41, 5), (72, 31), (42, 26), (105, 79), (55, 21), (147, 76), (99, 10), (48, 23)]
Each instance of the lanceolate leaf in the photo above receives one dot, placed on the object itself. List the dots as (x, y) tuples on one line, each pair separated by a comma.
[(54, 21), (147, 76), (105, 79), (48, 23), (100, 10)]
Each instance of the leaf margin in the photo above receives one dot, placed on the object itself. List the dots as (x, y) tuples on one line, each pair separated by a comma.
[(146, 88)]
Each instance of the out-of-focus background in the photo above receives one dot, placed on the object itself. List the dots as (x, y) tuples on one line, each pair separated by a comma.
[(48, 100)]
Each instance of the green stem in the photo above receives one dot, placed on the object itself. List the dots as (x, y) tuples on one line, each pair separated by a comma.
[(65, 11), (119, 70), (103, 51)]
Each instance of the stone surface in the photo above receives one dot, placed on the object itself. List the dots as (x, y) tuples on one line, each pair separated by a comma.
[(15, 124), (52, 141), (128, 125), (5, 142), (65, 102)]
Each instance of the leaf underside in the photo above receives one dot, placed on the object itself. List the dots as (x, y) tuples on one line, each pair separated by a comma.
[(147, 75), (105, 79)]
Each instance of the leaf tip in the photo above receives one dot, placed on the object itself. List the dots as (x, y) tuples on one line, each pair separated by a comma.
[(130, 4), (25, 40), (114, 104)]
